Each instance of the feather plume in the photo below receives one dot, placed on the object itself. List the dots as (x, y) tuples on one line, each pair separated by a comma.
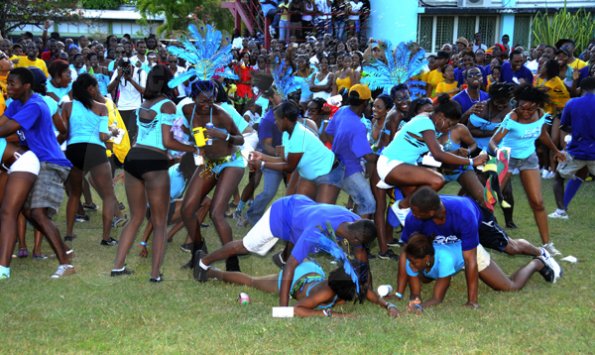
[(401, 66), (284, 79), (209, 54), (326, 244)]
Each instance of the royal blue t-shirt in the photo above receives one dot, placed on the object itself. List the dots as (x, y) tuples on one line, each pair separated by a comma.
[(36, 130), (510, 76), (578, 115), (448, 260), (268, 129), (465, 101), (463, 218), (350, 141), (295, 216)]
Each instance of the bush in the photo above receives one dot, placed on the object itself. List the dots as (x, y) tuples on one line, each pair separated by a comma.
[(579, 26)]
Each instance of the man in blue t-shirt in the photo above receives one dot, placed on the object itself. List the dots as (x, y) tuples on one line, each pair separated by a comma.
[(29, 117), (513, 71), (472, 95), (350, 145), (290, 219), (577, 119)]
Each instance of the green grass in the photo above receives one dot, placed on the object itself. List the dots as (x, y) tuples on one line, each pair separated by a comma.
[(91, 312)]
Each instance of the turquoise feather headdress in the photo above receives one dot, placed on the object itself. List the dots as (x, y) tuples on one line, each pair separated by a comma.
[(401, 66), (208, 56)]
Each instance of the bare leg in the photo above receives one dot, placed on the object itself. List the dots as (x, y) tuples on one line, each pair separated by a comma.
[(472, 187), (37, 238), (409, 177), (306, 187), (380, 213), (198, 187), (86, 189), (102, 177), (40, 219), (135, 193), (19, 184), (532, 184), (521, 246), (74, 185), (157, 187), (22, 231), (494, 277), (266, 283), (230, 249)]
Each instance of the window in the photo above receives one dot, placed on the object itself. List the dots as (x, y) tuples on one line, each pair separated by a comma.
[(434, 31), (522, 31), (444, 31)]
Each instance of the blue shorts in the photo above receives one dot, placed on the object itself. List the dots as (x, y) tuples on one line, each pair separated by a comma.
[(456, 173), (237, 161), (529, 163)]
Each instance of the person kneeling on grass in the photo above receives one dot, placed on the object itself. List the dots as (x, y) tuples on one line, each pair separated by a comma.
[(427, 261)]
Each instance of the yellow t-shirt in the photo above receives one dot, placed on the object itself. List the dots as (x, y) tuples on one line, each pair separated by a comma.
[(120, 150), (2, 103), (577, 64), (24, 62), (446, 88), (558, 94), (434, 78)]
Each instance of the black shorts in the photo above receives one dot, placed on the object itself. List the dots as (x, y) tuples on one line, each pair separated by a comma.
[(85, 156), (491, 235), (170, 212), (141, 160)]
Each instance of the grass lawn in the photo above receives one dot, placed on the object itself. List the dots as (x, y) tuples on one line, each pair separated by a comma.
[(91, 312)]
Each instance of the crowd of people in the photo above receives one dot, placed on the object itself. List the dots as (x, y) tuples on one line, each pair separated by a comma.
[(76, 112)]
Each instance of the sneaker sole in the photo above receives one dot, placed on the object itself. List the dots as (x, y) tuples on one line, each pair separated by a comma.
[(68, 272)]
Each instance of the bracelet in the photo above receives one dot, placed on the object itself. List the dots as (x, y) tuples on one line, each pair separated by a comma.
[(143, 244), (262, 165), (228, 138), (390, 305), (399, 295), (327, 313), (470, 161)]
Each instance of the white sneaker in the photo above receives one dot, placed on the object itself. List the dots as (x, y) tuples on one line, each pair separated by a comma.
[(551, 249), (63, 270), (558, 214), (550, 175), (401, 213), (551, 271)]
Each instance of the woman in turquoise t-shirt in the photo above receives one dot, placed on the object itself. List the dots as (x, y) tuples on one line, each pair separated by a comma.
[(398, 163), (519, 131), (303, 151), (427, 261)]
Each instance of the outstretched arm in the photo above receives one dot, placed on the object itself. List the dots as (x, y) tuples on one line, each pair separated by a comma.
[(288, 272)]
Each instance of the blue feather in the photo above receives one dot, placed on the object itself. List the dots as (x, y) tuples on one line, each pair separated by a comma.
[(400, 66), (284, 80), (329, 246), (207, 55)]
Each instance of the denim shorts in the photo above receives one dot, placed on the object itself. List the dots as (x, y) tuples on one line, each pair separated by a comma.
[(529, 163), (334, 177)]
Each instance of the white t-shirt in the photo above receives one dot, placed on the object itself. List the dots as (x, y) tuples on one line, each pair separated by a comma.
[(356, 7), (130, 98)]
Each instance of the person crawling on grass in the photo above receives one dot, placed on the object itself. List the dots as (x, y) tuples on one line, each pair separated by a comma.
[(299, 220), (428, 261), (448, 219), (316, 294)]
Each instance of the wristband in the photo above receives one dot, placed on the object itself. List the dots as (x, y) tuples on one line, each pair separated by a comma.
[(390, 305), (327, 313), (228, 138), (262, 165), (143, 244), (398, 295), (471, 162)]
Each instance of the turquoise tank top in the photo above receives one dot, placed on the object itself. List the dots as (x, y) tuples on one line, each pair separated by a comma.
[(521, 137), (450, 146), (85, 125), (405, 147), (2, 147), (149, 130)]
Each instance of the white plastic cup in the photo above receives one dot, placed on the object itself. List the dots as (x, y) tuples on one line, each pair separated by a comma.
[(384, 290), (282, 312), (243, 298)]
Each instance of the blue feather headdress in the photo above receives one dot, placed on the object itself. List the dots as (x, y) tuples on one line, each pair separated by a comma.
[(208, 56), (401, 66)]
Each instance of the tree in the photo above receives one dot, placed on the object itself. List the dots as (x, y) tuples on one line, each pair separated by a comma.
[(17, 13), (579, 26), (178, 13), (102, 4)]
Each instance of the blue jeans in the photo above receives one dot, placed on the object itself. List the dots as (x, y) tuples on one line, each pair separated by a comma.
[(339, 27), (358, 187), (284, 31), (271, 181)]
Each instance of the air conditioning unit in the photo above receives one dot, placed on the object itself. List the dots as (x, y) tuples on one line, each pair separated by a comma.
[(474, 3)]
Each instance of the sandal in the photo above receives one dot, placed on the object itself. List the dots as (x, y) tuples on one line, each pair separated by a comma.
[(23, 253)]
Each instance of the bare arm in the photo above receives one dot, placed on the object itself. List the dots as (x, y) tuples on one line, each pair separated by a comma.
[(472, 277)]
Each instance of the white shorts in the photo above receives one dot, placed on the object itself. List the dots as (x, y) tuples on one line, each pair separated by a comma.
[(250, 143), (384, 166), (27, 163), (483, 258), (260, 238)]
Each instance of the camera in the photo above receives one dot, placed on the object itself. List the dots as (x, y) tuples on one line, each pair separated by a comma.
[(124, 63)]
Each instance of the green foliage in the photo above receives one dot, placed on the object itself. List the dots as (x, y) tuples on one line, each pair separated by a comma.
[(17, 13), (180, 12), (579, 26), (91, 312), (102, 4)]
